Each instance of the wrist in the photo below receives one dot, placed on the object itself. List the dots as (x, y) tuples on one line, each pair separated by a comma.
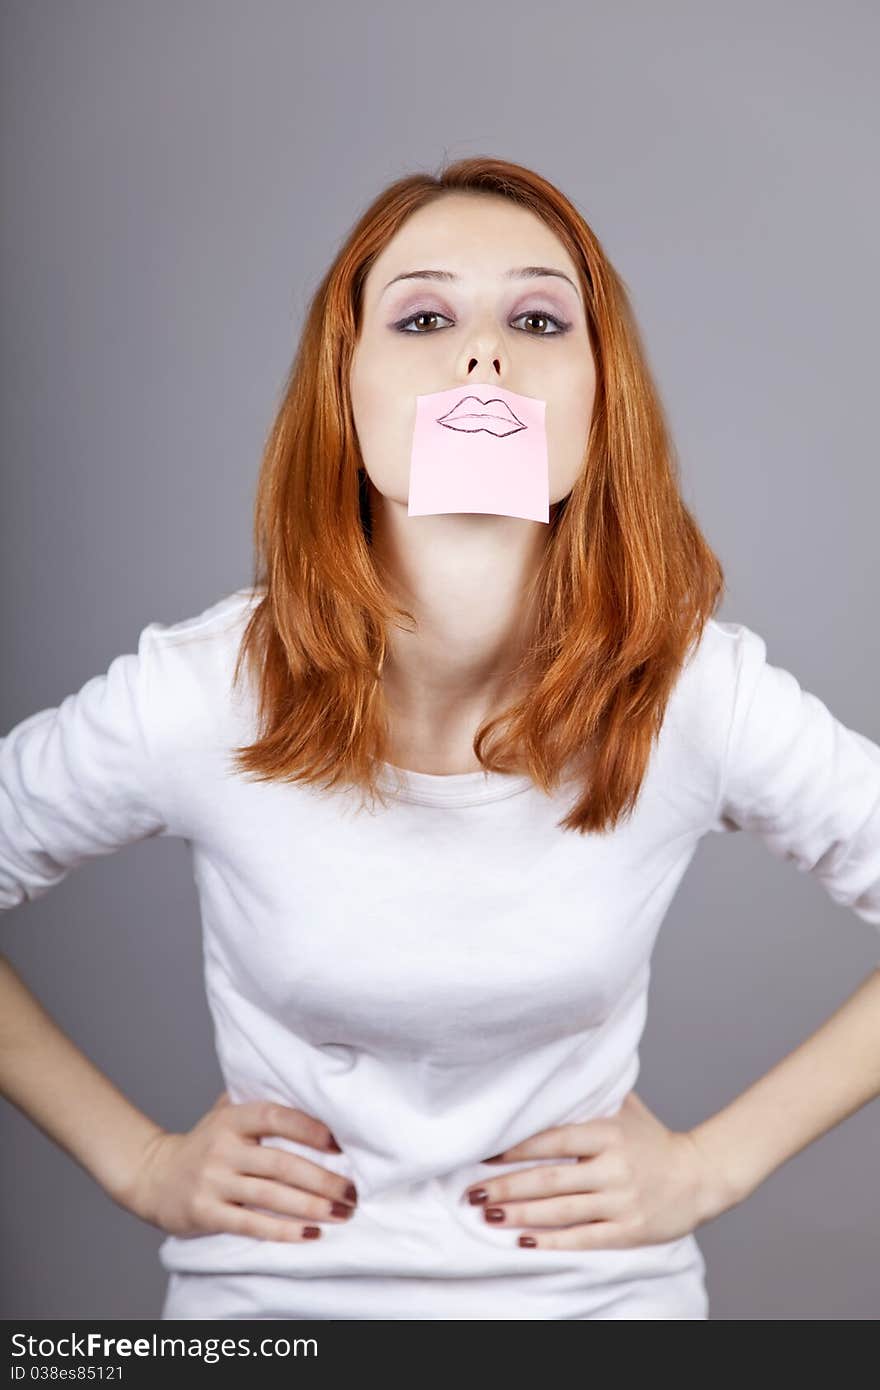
[(128, 1187), (717, 1187)]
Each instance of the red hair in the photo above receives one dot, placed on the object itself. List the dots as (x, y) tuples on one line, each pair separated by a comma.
[(625, 586)]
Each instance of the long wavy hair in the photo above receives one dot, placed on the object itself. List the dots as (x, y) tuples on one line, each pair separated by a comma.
[(624, 588)]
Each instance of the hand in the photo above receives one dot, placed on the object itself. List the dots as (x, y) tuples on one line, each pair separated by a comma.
[(209, 1179), (635, 1183)]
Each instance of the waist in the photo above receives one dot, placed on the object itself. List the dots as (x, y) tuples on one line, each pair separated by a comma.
[(396, 1144), (429, 1231), (454, 1268)]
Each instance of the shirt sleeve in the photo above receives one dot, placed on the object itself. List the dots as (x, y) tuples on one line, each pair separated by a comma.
[(79, 780), (802, 780)]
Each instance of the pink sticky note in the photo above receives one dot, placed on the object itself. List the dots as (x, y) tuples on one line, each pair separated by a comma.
[(479, 448)]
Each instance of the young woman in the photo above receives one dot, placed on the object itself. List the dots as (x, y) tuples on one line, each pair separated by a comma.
[(441, 775)]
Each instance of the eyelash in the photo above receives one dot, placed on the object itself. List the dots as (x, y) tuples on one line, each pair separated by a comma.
[(561, 326)]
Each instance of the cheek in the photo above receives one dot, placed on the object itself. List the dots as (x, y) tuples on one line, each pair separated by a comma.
[(384, 420), (568, 428)]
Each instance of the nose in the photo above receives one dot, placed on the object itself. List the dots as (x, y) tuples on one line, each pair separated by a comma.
[(483, 353), (475, 363)]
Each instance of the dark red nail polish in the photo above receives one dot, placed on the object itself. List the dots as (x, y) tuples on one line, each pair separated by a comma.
[(527, 1240), (494, 1214), (477, 1195), (340, 1209), (494, 1159), (351, 1192), (311, 1232), (333, 1147)]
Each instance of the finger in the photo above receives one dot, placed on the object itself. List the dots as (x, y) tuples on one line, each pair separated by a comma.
[(294, 1170), (547, 1180), (258, 1117), (242, 1222), (562, 1141), (572, 1209), (598, 1235), (286, 1201)]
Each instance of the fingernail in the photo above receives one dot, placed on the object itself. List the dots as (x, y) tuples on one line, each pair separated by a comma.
[(477, 1195), (333, 1147), (351, 1192), (494, 1159), (527, 1240), (494, 1213), (310, 1232), (340, 1209)]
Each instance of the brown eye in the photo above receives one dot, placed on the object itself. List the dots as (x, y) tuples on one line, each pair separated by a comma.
[(404, 327), (536, 315), (423, 322)]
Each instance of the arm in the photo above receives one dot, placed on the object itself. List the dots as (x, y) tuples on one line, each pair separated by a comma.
[(77, 781), (827, 1078), (810, 788), (46, 1076)]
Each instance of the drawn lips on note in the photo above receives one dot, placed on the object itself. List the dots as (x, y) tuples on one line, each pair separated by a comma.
[(471, 414)]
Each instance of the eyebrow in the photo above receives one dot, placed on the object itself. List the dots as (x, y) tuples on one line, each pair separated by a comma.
[(524, 272)]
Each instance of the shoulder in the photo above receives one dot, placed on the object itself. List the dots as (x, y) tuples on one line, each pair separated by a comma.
[(205, 638), (189, 665), (723, 647), (219, 618), (687, 763), (726, 655), (700, 712)]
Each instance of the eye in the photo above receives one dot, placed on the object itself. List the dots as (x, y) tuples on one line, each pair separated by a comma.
[(403, 326), (545, 318)]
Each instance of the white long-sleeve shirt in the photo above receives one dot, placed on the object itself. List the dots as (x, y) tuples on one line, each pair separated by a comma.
[(436, 980)]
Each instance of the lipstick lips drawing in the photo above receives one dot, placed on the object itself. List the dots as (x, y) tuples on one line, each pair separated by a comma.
[(471, 414)]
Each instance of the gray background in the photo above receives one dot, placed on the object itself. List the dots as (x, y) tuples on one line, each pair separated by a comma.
[(175, 178)]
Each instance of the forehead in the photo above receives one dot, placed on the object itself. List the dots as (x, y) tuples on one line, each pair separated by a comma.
[(472, 235)]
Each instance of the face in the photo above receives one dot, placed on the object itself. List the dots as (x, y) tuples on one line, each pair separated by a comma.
[(478, 324)]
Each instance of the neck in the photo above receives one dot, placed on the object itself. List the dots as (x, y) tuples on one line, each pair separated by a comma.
[(465, 578)]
